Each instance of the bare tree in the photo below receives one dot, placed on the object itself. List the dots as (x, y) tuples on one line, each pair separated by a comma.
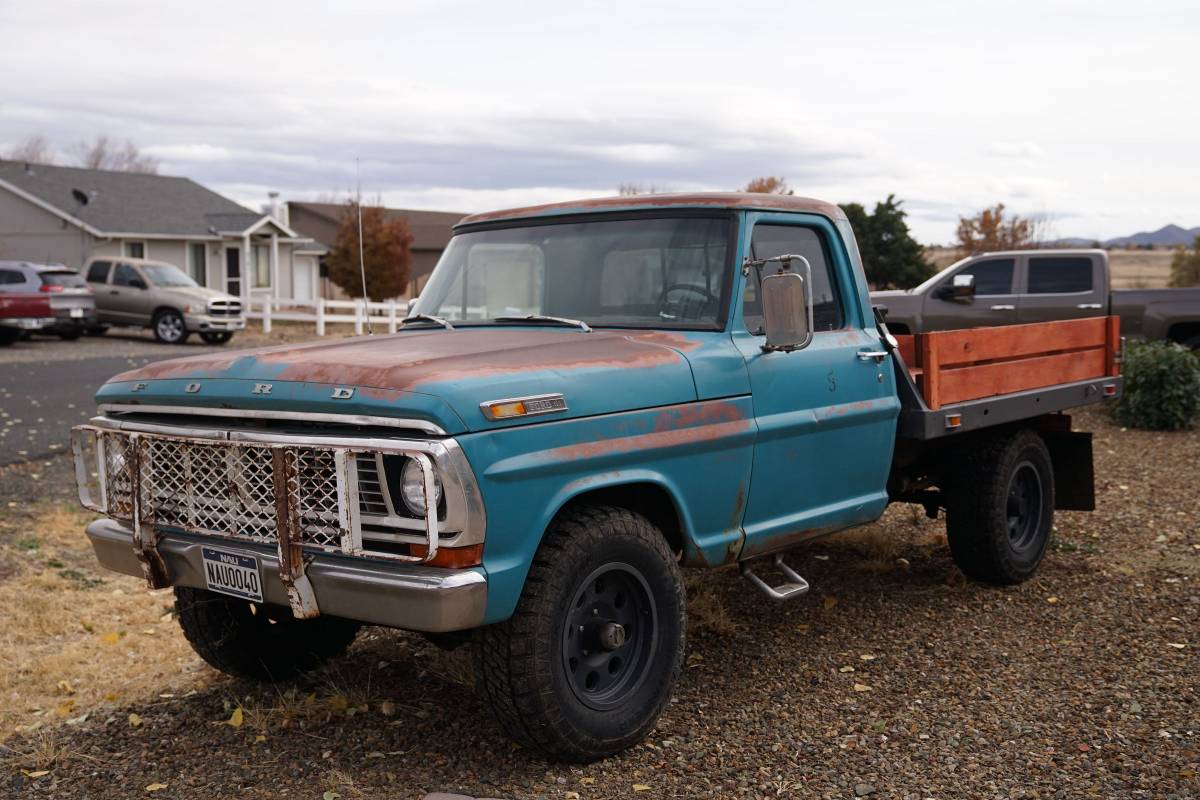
[(34, 150), (631, 189), (105, 153), (768, 185)]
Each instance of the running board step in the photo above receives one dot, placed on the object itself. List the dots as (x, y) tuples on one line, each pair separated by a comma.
[(794, 586)]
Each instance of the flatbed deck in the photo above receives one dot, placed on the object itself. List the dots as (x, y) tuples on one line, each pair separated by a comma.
[(961, 380)]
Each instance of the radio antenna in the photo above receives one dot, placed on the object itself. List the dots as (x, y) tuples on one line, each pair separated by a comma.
[(362, 266)]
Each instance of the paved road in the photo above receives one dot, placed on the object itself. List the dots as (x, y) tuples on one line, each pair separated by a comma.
[(46, 386)]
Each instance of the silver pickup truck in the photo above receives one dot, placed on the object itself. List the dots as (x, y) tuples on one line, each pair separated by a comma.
[(1010, 288)]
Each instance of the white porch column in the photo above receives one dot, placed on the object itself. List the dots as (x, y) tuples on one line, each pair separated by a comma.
[(275, 265), (247, 278)]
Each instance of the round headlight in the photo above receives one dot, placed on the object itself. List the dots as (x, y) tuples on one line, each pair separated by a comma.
[(412, 487)]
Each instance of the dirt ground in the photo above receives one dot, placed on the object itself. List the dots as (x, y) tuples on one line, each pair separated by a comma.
[(894, 677)]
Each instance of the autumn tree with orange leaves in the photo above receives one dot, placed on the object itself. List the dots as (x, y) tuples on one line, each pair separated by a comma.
[(385, 253), (770, 184), (991, 229)]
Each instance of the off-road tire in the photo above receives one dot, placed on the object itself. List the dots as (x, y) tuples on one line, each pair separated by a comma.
[(9, 335), (990, 476), (169, 327), (97, 330), (216, 337), (259, 642), (523, 670), (70, 335)]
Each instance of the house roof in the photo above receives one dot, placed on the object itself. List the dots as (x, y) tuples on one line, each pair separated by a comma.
[(431, 230), (128, 202), (738, 200)]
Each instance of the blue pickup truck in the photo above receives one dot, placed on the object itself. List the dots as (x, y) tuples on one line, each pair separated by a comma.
[(586, 398)]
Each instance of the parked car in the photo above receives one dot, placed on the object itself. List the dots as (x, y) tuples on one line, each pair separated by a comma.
[(22, 313), (1007, 288), (141, 293), (71, 307), (621, 387)]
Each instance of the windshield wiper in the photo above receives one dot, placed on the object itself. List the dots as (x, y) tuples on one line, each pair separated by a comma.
[(427, 318), (571, 323)]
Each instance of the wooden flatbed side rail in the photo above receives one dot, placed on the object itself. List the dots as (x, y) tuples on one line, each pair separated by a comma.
[(955, 366)]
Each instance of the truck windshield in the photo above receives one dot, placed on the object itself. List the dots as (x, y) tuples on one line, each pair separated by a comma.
[(167, 275), (643, 272)]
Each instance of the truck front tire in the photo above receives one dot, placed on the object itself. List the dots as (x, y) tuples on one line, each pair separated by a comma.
[(1001, 507), (586, 664), (254, 641)]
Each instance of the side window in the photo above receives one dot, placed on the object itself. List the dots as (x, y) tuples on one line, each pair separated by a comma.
[(124, 275), (777, 240), (11, 276), (994, 276), (1060, 275), (98, 271)]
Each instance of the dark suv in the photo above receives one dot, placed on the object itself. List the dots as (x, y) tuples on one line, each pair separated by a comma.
[(72, 305)]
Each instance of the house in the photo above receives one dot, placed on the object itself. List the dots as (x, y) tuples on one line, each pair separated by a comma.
[(67, 215), (431, 232)]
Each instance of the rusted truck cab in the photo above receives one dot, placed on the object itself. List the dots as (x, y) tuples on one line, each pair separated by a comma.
[(586, 398)]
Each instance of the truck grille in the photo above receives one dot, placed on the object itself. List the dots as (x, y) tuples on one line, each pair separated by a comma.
[(225, 308), (231, 489)]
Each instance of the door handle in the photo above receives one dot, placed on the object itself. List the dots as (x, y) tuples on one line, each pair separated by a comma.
[(867, 355), (113, 291), (1088, 305), (1003, 308)]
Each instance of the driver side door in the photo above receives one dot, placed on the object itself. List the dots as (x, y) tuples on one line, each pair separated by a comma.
[(995, 301), (826, 414)]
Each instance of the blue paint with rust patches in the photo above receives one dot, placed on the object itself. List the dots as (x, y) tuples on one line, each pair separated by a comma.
[(749, 451)]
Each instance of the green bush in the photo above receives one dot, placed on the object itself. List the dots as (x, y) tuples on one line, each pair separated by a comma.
[(1162, 387)]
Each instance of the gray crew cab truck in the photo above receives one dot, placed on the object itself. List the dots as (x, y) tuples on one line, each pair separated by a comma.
[(1021, 286)]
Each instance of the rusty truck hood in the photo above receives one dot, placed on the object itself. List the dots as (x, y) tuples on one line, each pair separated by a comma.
[(435, 375)]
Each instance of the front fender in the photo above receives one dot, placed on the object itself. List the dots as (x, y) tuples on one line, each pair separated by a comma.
[(700, 453)]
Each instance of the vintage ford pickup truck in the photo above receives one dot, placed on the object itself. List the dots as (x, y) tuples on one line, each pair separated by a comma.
[(586, 398)]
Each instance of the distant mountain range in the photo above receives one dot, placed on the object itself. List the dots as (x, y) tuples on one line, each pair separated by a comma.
[(1166, 236)]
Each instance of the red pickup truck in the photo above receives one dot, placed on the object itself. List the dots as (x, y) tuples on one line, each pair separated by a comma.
[(23, 312)]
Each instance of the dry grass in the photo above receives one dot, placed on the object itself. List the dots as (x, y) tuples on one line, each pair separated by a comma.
[(706, 610), (74, 640)]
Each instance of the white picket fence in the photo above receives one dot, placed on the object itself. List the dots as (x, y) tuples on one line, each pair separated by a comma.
[(322, 312)]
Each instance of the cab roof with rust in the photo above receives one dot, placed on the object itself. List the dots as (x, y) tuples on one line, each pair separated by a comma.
[(730, 200)]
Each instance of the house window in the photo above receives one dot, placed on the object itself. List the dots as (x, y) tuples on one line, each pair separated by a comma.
[(198, 267), (135, 249), (261, 266)]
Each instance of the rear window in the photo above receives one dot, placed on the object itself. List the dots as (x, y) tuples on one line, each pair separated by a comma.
[(68, 279), (98, 271), (1060, 275)]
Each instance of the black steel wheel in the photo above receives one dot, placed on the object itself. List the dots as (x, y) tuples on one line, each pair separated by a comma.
[(1000, 506), (609, 636), (588, 660), (260, 642)]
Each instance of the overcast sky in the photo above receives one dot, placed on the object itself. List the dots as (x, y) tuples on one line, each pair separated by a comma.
[(1085, 112)]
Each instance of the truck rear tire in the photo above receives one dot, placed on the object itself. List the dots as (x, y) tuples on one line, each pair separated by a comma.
[(1001, 507), (586, 664), (259, 642)]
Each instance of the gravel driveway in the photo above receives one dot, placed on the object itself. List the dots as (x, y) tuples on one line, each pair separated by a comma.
[(893, 678)]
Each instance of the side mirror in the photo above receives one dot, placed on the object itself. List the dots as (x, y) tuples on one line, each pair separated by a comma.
[(787, 307), (960, 289)]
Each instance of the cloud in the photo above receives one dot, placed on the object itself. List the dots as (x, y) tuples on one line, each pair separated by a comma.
[(1025, 149)]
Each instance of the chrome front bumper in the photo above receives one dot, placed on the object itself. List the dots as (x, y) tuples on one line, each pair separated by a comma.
[(374, 592)]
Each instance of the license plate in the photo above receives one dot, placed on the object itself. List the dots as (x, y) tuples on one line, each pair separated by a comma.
[(76, 312), (232, 574)]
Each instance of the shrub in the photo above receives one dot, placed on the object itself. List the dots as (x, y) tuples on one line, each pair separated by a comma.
[(1162, 387)]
